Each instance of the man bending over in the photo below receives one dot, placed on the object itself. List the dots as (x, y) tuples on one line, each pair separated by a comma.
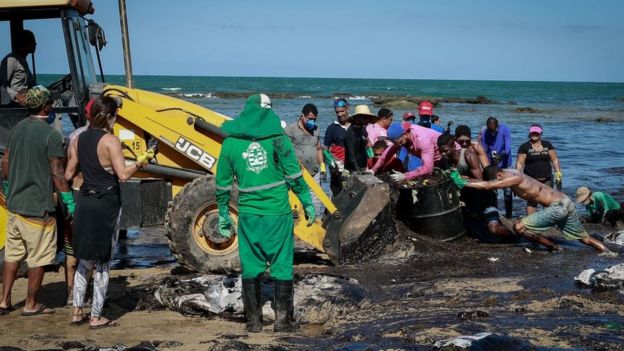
[(558, 209)]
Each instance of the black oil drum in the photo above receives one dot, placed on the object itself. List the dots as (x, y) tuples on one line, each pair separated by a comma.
[(433, 210)]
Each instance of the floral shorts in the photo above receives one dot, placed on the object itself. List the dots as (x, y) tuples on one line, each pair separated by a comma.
[(562, 214)]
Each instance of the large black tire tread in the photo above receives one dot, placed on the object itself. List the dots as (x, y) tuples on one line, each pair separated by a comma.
[(179, 225)]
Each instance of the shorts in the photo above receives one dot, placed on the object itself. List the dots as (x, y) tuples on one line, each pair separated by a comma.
[(548, 182), (562, 214), (31, 239)]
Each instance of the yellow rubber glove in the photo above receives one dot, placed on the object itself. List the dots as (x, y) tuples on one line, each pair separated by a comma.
[(145, 157), (558, 176), (323, 172)]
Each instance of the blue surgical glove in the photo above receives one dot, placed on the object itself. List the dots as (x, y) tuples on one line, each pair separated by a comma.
[(5, 188)]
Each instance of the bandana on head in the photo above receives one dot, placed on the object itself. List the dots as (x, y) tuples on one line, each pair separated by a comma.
[(256, 121), (37, 96)]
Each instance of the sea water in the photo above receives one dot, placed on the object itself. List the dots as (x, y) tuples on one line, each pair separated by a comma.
[(590, 152)]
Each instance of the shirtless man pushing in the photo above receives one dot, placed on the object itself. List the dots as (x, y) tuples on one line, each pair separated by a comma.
[(558, 209)]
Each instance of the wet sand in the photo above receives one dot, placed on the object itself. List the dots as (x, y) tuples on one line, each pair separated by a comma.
[(422, 292)]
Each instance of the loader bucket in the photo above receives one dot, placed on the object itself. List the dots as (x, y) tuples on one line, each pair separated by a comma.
[(363, 225)]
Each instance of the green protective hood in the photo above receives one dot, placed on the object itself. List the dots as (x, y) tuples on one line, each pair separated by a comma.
[(256, 121)]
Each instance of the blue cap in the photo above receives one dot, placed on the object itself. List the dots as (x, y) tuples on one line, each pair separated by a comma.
[(395, 131)]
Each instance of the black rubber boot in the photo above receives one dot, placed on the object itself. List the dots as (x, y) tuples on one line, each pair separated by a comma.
[(508, 204), (252, 302), (284, 307)]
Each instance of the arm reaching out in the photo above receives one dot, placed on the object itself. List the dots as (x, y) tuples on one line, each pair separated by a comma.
[(118, 161), (495, 184)]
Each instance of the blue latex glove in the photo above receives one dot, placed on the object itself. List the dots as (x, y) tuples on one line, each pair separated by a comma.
[(225, 224), (68, 199), (5, 188)]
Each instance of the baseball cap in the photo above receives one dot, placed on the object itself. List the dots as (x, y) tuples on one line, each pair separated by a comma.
[(425, 108), (407, 115), (395, 131), (535, 129), (37, 96)]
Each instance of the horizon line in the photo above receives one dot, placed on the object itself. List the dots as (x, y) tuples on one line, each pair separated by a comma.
[(360, 78)]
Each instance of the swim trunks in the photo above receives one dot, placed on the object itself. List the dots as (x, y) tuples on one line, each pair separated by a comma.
[(560, 213)]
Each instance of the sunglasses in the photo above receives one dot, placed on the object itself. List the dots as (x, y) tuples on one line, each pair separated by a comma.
[(340, 103)]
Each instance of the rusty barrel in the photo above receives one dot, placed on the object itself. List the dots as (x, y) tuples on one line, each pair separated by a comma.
[(432, 209)]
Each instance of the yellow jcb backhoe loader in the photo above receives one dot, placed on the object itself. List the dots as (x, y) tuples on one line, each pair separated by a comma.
[(177, 189)]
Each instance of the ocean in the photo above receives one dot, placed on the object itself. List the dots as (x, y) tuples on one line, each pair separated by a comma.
[(584, 121)]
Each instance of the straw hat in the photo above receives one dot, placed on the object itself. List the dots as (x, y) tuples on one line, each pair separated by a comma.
[(362, 115), (583, 194)]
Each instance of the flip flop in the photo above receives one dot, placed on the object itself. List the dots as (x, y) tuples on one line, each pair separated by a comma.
[(107, 324), (6, 310), (83, 319), (41, 310)]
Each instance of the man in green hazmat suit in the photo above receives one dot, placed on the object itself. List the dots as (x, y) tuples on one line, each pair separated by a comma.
[(262, 159)]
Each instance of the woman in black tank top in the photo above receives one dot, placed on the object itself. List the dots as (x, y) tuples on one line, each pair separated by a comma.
[(96, 220)]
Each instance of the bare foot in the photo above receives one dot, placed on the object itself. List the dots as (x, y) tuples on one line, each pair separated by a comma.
[(101, 322), (555, 248), (608, 253)]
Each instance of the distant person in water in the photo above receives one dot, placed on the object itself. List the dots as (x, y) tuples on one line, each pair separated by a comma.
[(558, 210), (496, 141), (600, 206)]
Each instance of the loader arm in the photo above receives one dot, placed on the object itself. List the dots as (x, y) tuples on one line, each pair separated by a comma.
[(190, 140), (145, 115)]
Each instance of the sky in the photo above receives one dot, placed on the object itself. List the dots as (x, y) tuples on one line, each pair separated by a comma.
[(547, 40)]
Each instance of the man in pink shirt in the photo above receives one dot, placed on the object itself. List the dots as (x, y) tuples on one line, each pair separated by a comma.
[(419, 141), (378, 129)]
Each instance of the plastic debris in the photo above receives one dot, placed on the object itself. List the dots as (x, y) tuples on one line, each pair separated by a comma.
[(483, 342), (609, 278), (493, 259), (615, 238), (317, 299)]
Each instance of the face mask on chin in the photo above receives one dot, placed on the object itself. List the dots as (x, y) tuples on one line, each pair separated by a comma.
[(51, 117)]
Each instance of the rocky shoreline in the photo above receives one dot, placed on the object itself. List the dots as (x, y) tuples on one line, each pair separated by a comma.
[(376, 99)]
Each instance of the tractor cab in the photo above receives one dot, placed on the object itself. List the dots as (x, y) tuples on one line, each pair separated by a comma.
[(72, 91)]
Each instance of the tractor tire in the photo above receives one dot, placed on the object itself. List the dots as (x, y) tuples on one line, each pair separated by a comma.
[(191, 224)]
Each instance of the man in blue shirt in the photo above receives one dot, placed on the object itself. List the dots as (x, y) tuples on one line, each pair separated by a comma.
[(496, 141)]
